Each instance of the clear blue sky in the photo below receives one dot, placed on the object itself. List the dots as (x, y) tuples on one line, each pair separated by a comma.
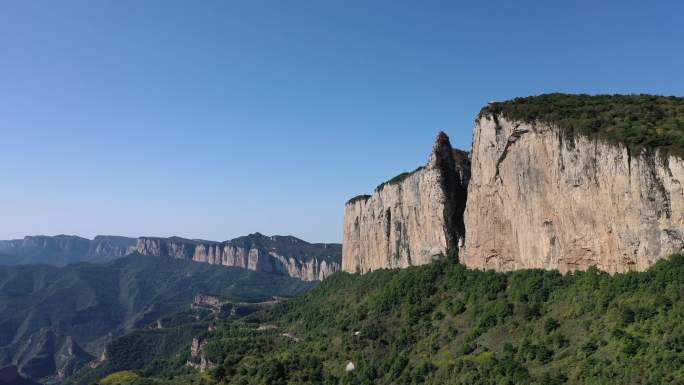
[(214, 119)]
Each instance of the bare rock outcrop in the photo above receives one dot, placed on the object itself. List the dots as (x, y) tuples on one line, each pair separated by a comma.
[(276, 254), (197, 359), (410, 219), (540, 199)]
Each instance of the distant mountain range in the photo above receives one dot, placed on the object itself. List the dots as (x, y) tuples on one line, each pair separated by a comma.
[(61, 250), (286, 255)]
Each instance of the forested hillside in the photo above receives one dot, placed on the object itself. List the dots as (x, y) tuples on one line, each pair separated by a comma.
[(444, 324), (54, 320)]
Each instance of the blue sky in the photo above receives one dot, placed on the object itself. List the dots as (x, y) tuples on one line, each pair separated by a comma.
[(215, 119)]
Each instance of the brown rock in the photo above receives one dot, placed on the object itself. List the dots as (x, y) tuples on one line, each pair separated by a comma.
[(540, 200)]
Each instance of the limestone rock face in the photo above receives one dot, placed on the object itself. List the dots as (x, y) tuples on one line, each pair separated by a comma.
[(538, 199), (173, 247), (410, 219), (277, 254)]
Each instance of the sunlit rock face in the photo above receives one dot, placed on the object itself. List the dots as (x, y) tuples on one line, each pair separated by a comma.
[(540, 199), (277, 254), (411, 219), (528, 196)]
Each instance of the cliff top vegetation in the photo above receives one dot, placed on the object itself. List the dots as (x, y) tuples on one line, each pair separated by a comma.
[(638, 121), (362, 197), (291, 247), (398, 179)]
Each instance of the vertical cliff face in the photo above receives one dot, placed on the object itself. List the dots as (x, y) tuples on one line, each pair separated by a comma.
[(410, 219), (558, 182), (110, 246), (277, 254), (541, 199), (173, 247)]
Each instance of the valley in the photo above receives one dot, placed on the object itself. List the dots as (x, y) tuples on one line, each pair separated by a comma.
[(56, 320)]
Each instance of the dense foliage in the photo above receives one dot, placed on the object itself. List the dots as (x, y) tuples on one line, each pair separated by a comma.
[(362, 197), (398, 179), (444, 324), (148, 348), (639, 121)]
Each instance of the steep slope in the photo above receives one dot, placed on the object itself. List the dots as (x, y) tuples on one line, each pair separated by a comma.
[(444, 324), (53, 320), (61, 250), (559, 182), (411, 218), (285, 255)]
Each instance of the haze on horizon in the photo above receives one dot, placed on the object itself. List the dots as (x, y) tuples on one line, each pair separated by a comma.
[(226, 118)]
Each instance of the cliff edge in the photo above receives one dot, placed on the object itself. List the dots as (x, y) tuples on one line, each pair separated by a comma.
[(558, 182), (411, 218)]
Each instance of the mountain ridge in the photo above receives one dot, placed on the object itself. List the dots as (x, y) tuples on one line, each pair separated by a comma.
[(282, 254), (286, 255)]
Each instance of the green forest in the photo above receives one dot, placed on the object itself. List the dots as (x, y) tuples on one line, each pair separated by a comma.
[(444, 324), (638, 121)]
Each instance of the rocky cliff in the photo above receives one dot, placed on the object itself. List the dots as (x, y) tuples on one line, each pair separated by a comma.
[(276, 254), (558, 182), (541, 199), (410, 219)]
